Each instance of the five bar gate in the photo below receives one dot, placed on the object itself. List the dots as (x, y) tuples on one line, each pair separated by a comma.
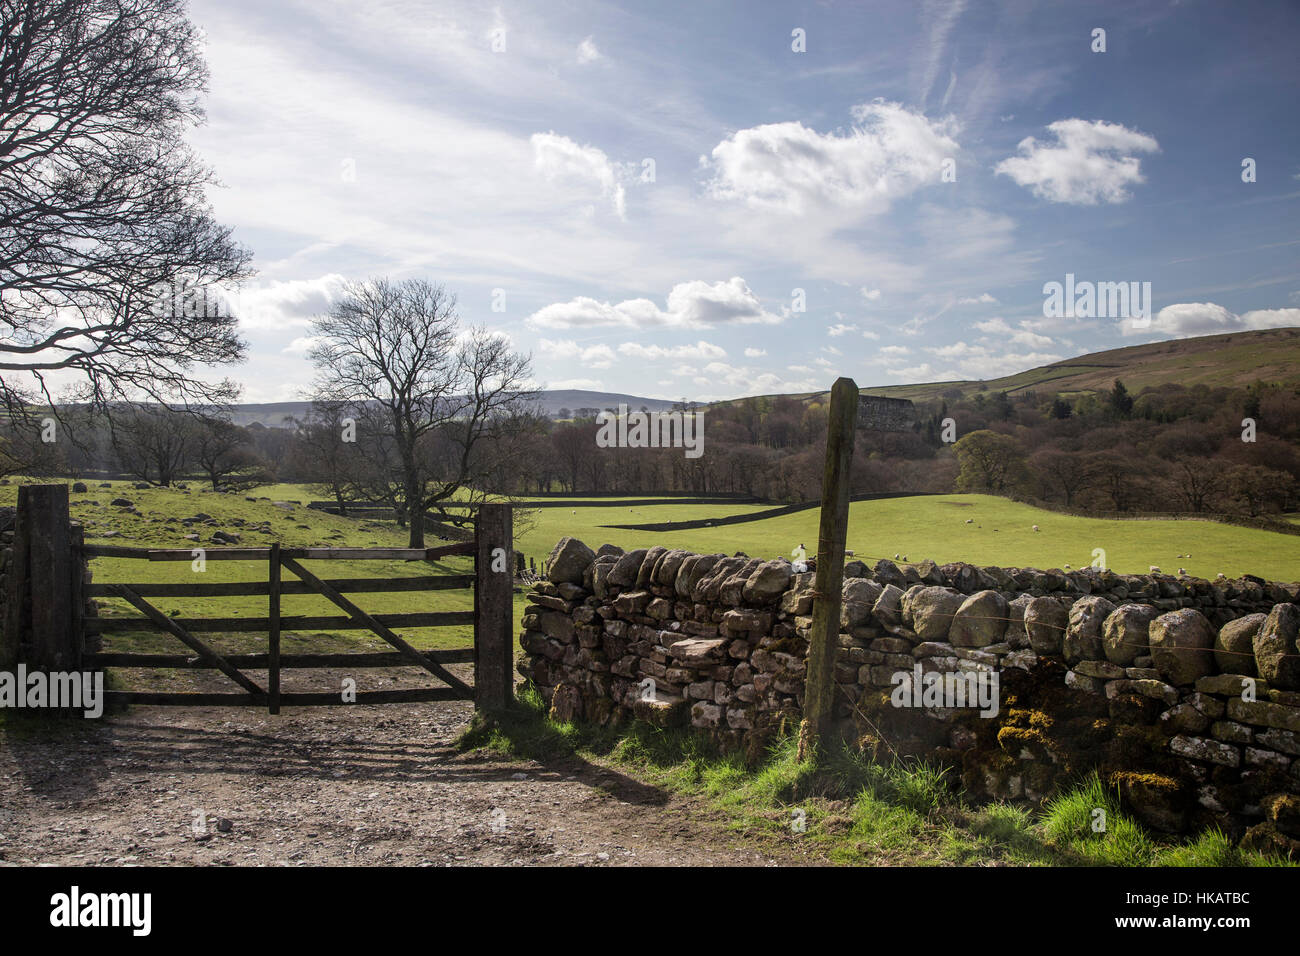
[(44, 624)]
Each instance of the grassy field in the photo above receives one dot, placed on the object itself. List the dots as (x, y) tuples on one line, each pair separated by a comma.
[(1000, 533)]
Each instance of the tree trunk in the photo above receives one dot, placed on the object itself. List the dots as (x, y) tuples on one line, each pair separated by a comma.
[(415, 515)]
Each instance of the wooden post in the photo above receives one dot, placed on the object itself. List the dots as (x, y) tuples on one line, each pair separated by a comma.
[(493, 608), (42, 574), (273, 647), (819, 688)]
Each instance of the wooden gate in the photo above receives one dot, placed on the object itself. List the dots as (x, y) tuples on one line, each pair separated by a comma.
[(492, 616)]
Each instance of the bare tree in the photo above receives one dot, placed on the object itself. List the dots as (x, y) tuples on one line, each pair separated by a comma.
[(154, 442), (222, 450), (109, 256), (444, 395)]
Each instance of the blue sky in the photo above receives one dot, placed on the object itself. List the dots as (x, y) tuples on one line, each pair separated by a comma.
[(391, 138)]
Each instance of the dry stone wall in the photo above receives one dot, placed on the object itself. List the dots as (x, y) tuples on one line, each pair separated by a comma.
[(1183, 693)]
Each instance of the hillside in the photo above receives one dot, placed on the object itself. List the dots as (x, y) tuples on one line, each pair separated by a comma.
[(1234, 359)]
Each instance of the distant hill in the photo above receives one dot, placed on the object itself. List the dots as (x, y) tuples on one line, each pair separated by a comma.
[(552, 402), (1234, 359)]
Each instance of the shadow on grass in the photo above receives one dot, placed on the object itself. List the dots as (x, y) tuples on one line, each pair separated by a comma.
[(847, 808)]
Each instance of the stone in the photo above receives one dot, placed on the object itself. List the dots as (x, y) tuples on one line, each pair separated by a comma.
[(1229, 685), (625, 570), (1234, 646), (1229, 731), (1262, 713), (888, 609), (1100, 669), (767, 582), (569, 559), (706, 715), (1182, 644), (566, 704), (1083, 632), (698, 650), (79, 487), (1157, 690), (1277, 655), (122, 503), (1207, 750), (930, 611), (1124, 633), (1045, 623), (1288, 742), (980, 620)]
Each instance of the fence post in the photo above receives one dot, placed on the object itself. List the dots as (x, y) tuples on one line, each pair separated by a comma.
[(44, 602), (819, 688), (273, 638), (494, 607)]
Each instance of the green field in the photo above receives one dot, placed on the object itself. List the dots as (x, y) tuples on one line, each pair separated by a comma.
[(1001, 533)]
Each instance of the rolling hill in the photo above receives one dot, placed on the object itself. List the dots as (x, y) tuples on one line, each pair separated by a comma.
[(1233, 359)]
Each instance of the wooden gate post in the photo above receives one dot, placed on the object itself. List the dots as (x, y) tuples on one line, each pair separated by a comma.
[(494, 607), (819, 688), (44, 608)]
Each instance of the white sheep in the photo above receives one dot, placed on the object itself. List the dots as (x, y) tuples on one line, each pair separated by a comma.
[(1035, 527), (1154, 569), (895, 555), (1182, 570), (970, 520)]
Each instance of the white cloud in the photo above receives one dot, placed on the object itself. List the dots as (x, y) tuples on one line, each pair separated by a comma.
[(587, 52), (982, 299), (560, 159), (595, 356), (994, 326), (871, 335), (695, 304), (1090, 162), (278, 304), (589, 384), (745, 380), (892, 350), (831, 350), (700, 350), (787, 167), (871, 295), (840, 329), (1186, 319), (755, 353)]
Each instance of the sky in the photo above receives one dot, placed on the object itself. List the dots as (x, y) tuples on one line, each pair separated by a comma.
[(708, 200)]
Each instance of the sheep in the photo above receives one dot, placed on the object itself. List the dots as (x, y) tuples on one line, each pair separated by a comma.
[(970, 520), (1182, 570), (1154, 569), (1035, 527), (904, 557), (895, 555)]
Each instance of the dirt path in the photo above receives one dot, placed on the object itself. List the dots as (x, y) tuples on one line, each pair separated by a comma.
[(321, 786)]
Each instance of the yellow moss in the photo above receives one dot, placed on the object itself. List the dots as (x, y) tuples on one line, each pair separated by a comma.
[(1151, 781), (1012, 737)]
